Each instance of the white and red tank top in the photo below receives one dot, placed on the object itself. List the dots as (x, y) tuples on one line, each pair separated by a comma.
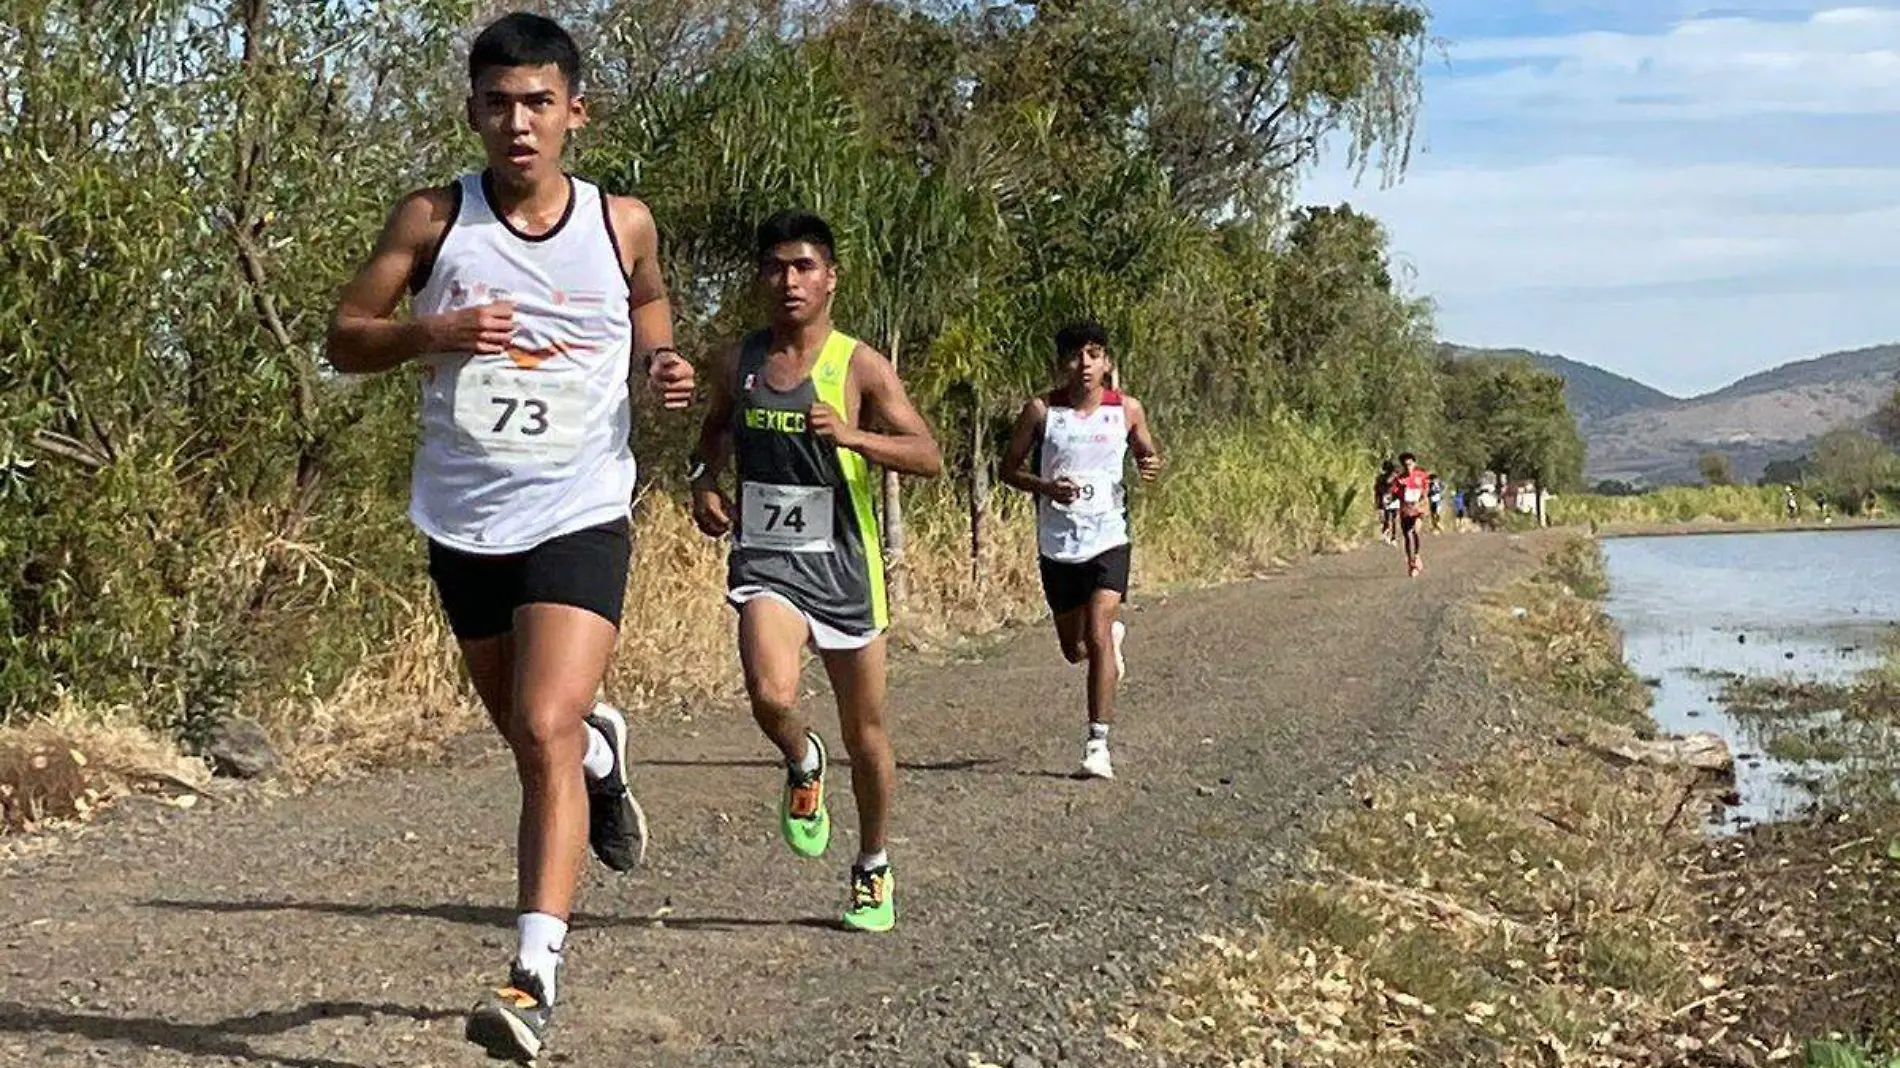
[(1090, 449), (533, 443)]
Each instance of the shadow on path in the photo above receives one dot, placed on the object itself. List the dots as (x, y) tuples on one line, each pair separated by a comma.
[(220, 1038), (490, 915), (958, 764)]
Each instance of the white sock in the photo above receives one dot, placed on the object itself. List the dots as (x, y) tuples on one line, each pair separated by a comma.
[(599, 760), (808, 763), (1098, 732), (872, 861), (542, 938)]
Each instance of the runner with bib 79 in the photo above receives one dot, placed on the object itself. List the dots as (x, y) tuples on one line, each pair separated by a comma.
[(1080, 436)]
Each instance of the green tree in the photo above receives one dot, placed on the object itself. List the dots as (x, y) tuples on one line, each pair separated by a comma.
[(1507, 415), (1715, 469), (1851, 466), (199, 488), (1786, 472)]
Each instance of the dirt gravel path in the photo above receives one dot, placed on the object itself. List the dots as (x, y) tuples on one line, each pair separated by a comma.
[(352, 926)]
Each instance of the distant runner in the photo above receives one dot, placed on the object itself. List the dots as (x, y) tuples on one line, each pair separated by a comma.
[(1437, 495), (805, 411), (1411, 485), (1384, 501), (535, 295), (1081, 435), (1791, 504)]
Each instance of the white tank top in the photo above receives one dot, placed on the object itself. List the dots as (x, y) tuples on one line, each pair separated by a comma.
[(1090, 449), (533, 443)]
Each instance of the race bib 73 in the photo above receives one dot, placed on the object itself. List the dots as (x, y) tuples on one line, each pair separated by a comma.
[(527, 415)]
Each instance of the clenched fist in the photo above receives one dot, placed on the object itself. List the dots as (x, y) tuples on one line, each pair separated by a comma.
[(671, 379), (485, 328), (828, 426), (712, 512)]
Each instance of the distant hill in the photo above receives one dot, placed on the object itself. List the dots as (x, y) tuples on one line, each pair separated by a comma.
[(1635, 433), (1822, 372), (1593, 393)]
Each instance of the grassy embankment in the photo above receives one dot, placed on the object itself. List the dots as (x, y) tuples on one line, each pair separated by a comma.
[(1672, 505), (1540, 905), (1254, 499), (1814, 903)]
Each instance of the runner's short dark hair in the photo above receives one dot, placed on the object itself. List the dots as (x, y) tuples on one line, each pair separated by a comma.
[(793, 225), (524, 39), (1071, 338), (1404, 456)]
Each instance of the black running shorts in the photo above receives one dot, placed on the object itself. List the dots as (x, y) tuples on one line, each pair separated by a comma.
[(586, 569), (1408, 523), (1068, 587)]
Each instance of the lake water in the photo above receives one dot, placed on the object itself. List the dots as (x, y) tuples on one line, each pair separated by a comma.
[(1809, 604)]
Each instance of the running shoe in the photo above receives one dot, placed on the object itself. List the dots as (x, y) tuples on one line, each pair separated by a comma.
[(802, 818), (512, 1023), (616, 825), (1095, 761), (873, 899)]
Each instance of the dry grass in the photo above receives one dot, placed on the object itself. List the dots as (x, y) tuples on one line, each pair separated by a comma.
[(71, 764), (396, 707), (1524, 910)]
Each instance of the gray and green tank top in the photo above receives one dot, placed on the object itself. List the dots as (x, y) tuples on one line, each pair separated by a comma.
[(805, 527)]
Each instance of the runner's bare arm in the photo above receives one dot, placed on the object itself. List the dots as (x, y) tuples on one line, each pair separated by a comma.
[(890, 432), (638, 239), (712, 511), (1016, 455), (364, 336), (1141, 436)]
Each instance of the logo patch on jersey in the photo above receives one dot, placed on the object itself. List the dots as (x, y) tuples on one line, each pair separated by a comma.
[(528, 359), (776, 419)]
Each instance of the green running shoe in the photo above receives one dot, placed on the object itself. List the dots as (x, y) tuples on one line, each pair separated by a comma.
[(873, 900), (802, 818)]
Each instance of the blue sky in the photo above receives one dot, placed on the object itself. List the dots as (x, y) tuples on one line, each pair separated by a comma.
[(1678, 191)]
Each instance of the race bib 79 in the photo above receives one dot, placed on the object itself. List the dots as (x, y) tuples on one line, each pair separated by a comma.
[(1098, 494)]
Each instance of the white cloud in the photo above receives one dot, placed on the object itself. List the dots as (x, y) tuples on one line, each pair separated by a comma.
[(1687, 205), (1837, 61), (1594, 223)]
